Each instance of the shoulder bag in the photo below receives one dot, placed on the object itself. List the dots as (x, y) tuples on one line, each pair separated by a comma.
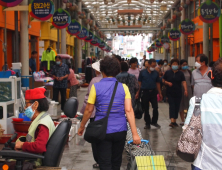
[(96, 131), (190, 140)]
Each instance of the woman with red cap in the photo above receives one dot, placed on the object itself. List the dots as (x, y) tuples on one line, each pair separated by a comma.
[(42, 126)]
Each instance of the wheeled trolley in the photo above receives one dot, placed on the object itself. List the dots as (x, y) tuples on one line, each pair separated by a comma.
[(142, 157)]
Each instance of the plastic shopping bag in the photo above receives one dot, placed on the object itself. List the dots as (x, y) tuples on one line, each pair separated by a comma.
[(138, 109)]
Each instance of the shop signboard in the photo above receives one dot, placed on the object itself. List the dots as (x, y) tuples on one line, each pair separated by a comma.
[(61, 19), (74, 27), (166, 46), (41, 9), (95, 41), (209, 12), (90, 37), (174, 34), (83, 34), (153, 46), (164, 39), (10, 3), (102, 44), (187, 27), (158, 44)]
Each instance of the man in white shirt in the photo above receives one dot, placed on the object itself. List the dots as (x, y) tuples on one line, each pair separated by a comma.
[(142, 63)]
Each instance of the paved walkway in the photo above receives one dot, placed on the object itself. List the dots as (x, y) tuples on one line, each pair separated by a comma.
[(78, 153)]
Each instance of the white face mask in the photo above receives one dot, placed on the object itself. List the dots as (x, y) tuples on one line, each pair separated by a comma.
[(152, 69), (197, 65)]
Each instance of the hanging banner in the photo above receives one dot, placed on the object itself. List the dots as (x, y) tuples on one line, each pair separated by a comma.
[(174, 34), (74, 27), (187, 27), (149, 50), (83, 34), (41, 9), (153, 46), (158, 44), (61, 19), (102, 44), (164, 39), (166, 46), (95, 41), (209, 12), (90, 37), (10, 3)]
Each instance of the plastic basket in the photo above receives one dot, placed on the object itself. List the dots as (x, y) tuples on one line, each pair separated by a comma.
[(5, 74), (153, 160)]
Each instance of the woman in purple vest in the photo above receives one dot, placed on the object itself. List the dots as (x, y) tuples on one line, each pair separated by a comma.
[(110, 150)]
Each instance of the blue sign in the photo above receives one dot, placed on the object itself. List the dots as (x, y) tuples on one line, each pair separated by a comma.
[(83, 34), (74, 28), (90, 37)]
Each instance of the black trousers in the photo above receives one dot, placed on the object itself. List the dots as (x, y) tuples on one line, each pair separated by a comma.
[(110, 151), (63, 96), (174, 106), (94, 148), (150, 96)]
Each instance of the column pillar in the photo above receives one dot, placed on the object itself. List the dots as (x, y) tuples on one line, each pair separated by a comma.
[(205, 38), (79, 44), (182, 39), (172, 43), (88, 44), (24, 40), (164, 50), (63, 41)]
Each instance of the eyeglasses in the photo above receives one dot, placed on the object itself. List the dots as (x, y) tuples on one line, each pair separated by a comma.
[(210, 74)]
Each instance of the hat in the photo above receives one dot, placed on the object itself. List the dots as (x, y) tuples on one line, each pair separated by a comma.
[(96, 66), (33, 94)]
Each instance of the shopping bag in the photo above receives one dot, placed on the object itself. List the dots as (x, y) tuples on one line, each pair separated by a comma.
[(138, 111)]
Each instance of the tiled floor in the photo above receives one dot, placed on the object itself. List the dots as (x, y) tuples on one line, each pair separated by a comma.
[(78, 153)]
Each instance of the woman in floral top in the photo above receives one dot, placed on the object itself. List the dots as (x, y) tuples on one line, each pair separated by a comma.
[(128, 79)]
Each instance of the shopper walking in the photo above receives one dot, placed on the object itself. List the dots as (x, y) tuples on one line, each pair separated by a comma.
[(173, 79), (72, 82), (184, 104), (60, 73), (210, 155), (142, 66), (32, 62), (149, 85), (165, 67), (200, 81), (159, 66), (111, 148), (96, 67), (129, 79), (133, 67)]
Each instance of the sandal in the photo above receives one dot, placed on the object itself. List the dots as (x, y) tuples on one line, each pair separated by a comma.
[(96, 166)]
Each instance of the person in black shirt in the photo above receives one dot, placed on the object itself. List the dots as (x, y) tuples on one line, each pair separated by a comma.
[(32, 62), (173, 79), (149, 84), (60, 73)]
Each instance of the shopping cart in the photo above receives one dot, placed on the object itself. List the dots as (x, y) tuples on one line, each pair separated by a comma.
[(149, 159)]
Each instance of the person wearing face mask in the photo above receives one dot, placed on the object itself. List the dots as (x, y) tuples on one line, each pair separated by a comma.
[(165, 67), (60, 73), (184, 105), (42, 126), (200, 81), (149, 84), (96, 67), (159, 66), (173, 79)]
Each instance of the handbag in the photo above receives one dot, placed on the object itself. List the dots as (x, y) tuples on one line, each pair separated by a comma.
[(96, 131), (190, 140)]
